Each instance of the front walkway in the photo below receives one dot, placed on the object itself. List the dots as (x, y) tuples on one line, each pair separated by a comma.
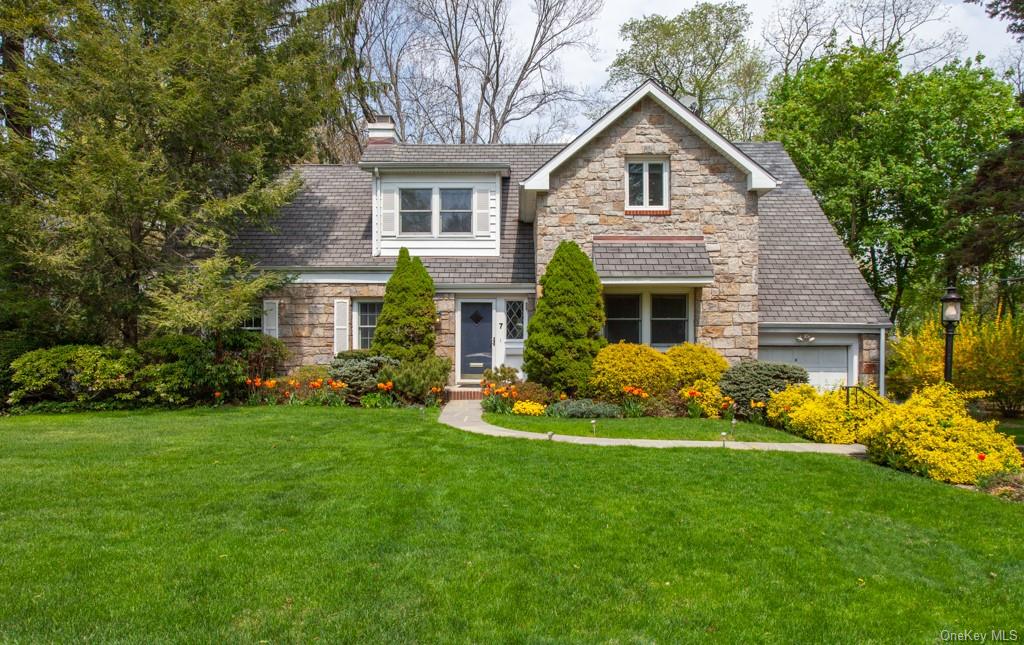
[(467, 415)]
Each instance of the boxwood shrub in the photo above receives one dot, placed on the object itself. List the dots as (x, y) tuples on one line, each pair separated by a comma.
[(757, 380)]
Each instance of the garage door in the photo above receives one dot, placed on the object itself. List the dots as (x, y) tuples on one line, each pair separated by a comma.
[(825, 364)]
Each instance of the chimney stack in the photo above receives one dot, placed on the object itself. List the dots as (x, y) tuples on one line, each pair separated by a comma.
[(381, 130)]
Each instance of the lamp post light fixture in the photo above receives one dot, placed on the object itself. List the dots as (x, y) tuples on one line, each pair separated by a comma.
[(951, 312)]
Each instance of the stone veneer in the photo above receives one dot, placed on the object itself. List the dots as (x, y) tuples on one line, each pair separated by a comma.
[(306, 320), (869, 359), (708, 196)]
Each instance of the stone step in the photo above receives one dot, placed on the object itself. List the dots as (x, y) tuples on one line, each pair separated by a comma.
[(463, 393)]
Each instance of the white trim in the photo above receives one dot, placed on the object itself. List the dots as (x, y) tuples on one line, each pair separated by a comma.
[(824, 339), (342, 328), (646, 161), (354, 307), (646, 310), (881, 361), (827, 327), (680, 282), (270, 323), (342, 277), (758, 179)]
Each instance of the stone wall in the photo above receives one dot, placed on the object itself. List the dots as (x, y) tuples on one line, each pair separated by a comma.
[(869, 359), (306, 320), (708, 197)]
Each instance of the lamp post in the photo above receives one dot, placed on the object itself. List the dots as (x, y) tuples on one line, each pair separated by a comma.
[(951, 303)]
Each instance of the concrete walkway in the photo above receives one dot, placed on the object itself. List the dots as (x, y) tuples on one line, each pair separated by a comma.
[(467, 415)]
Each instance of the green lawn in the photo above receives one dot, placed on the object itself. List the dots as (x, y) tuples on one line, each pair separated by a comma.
[(643, 428), (1014, 428), (297, 524)]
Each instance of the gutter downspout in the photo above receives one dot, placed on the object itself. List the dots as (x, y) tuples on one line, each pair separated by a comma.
[(881, 361)]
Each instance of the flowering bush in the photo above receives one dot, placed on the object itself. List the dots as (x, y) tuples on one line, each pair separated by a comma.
[(530, 391), (933, 435), (781, 404), (75, 373), (622, 364), (830, 419), (756, 413), (704, 399), (691, 362), (528, 408), (988, 357)]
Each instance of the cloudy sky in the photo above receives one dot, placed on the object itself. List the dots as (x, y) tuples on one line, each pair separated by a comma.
[(984, 34)]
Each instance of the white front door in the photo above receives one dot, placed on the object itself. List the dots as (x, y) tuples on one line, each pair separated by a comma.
[(826, 365)]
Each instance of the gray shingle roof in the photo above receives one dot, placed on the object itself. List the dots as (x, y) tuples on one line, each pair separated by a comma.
[(328, 224), (649, 260), (805, 273)]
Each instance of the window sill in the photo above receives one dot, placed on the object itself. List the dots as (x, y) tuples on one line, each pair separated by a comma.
[(648, 211)]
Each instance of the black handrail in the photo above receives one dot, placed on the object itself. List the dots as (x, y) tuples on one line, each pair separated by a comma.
[(857, 390)]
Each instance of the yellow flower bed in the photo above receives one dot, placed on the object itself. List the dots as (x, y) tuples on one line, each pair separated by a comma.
[(782, 404), (933, 435), (626, 364), (822, 417), (528, 408), (708, 396)]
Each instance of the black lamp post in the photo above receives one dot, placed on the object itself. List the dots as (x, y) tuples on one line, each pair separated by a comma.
[(951, 303)]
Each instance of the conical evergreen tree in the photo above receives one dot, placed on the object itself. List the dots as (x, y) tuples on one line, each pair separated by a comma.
[(405, 327), (565, 331)]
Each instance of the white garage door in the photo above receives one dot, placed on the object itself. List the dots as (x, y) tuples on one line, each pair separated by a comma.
[(826, 365)]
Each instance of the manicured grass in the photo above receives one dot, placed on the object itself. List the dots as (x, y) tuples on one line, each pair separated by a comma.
[(1014, 428), (299, 524), (644, 428)]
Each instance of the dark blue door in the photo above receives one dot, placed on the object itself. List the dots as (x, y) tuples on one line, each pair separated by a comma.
[(476, 339)]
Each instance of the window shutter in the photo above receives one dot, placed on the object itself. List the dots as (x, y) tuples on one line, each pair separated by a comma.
[(388, 214), (270, 318), (482, 212), (341, 322)]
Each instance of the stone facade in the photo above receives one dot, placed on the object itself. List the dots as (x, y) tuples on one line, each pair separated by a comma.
[(708, 197), (306, 320), (869, 359)]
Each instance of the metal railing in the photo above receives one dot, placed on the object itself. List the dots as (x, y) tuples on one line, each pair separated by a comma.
[(854, 392)]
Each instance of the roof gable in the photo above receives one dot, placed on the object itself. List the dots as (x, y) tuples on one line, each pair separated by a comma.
[(758, 179)]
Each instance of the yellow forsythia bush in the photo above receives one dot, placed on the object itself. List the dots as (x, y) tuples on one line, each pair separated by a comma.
[(528, 408), (933, 435), (622, 364), (692, 362), (781, 404), (708, 396)]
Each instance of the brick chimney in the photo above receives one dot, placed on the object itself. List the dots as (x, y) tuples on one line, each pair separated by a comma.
[(381, 130)]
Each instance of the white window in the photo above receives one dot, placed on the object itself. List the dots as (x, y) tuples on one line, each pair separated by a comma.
[(415, 210), (456, 210), (253, 323), (367, 312), (515, 320), (647, 183), (659, 320)]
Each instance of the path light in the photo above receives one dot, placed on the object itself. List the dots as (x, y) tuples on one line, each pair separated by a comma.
[(724, 435), (951, 312), (593, 427), (551, 436)]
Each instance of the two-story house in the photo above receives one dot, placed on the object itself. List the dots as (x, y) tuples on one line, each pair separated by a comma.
[(695, 238)]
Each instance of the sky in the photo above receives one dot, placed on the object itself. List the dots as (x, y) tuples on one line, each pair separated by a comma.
[(984, 34)]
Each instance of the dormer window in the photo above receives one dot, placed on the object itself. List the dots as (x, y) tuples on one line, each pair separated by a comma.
[(415, 212), (647, 184), (456, 210)]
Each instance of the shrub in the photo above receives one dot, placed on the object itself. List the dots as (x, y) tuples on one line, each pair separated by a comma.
[(75, 373), (501, 376), (178, 370), (405, 327), (627, 364), (261, 355), (12, 345), (360, 369), (829, 419), (311, 373), (705, 398), (781, 404), (692, 362), (988, 357), (531, 391), (528, 408), (933, 435), (419, 381), (756, 380), (564, 334), (584, 409), (378, 401)]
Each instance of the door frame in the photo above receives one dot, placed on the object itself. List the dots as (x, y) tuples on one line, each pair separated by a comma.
[(458, 335)]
